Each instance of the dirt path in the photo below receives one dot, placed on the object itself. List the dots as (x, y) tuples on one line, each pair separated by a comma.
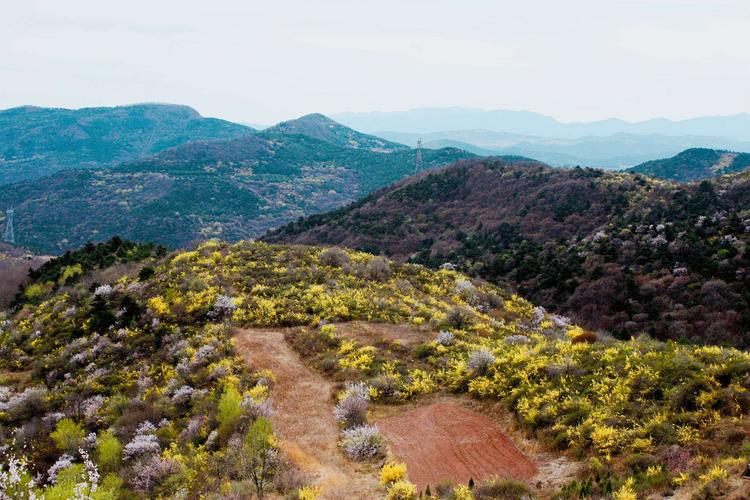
[(304, 420)]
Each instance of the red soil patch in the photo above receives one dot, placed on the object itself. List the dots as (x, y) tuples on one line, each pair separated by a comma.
[(447, 441)]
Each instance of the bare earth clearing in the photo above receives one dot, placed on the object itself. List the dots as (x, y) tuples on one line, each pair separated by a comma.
[(304, 421), (447, 441), (383, 333), (439, 436)]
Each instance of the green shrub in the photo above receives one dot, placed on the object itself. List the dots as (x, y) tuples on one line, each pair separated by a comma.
[(230, 410), (108, 451), (502, 489), (424, 351), (68, 435)]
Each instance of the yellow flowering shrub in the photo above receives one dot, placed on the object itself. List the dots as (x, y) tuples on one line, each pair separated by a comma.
[(715, 472), (606, 439), (420, 382), (158, 305), (626, 491), (463, 492), (356, 358), (392, 472), (402, 490), (309, 493)]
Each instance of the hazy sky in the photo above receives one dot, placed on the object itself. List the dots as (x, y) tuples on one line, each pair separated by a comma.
[(263, 61)]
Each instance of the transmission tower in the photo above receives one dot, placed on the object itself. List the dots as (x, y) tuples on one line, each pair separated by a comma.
[(10, 237), (418, 163)]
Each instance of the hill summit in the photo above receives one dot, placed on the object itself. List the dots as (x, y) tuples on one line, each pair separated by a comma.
[(695, 164), (321, 127)]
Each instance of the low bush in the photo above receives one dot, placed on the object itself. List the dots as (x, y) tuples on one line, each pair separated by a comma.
[(351, 411), (501, 489), (362, 442), (402, 490), (392, 472)]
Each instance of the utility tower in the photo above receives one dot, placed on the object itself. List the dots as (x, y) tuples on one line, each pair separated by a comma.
[(418, 163), (10, 237)]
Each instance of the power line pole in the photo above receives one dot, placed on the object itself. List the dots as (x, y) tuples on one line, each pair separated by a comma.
[(10, 236), (418, 163)]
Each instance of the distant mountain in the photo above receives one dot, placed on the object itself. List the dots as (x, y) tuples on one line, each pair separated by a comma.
[(615, 251), (426, 120), (321, 127), (231, 189), (615, 151), (695, 164), (35, 142)]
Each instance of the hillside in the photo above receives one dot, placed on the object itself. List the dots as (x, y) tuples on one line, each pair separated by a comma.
[(232, 189), (695, 164), (299, 371), (614, 251), (36, 142), (321, 127)]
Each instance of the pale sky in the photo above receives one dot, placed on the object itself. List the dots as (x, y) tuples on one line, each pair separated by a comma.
[(264, 61)]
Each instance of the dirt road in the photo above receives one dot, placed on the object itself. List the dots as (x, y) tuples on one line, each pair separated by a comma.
[(304, 421)]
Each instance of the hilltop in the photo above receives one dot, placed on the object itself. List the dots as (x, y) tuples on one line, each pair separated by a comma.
[(614, 251), (695, 164), (36, 142), (321, 127), (233, 189), (299, 371)]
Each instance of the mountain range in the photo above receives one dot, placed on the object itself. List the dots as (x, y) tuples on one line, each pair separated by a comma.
[(620, 150), (233, 189), (35, 142), (427, 120)]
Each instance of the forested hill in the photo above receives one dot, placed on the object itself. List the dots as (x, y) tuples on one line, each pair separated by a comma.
[(35, 142), (321, 127), (695, 164), (616, 251), (232, 189)]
